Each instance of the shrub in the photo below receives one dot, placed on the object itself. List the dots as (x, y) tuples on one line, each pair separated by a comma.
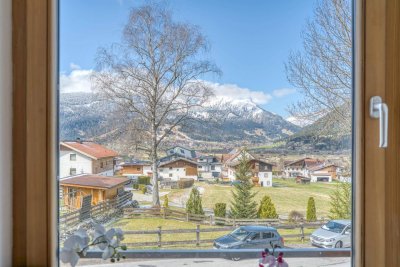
[(267, 209), (341, 202), (166, 204), (135, 186), (143, 188), (220, 210), (144, 180), (185, 183), (193, 205), (295, 216), (311, 211)]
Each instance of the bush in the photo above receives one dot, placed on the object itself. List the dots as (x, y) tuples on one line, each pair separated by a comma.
[(143, 188), (295, 216), (193, 205), (220, 210), (311, 211), (267, 209), (135, 186), (185, 183), (166, 204), (144, 180)]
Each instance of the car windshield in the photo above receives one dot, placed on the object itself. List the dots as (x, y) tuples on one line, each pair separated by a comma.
[(239, 234), (334, 227)]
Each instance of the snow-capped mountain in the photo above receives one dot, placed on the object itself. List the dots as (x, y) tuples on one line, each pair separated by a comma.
[(234, 123)]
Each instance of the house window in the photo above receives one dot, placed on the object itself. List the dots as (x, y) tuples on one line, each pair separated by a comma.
[(138, 168), (72, 157), (72, 171), (213, 168), (170, 168), (101, 165), (170, 175), (182, 151)]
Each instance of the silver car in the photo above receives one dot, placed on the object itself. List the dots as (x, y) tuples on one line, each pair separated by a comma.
[(334, 234), (250, 237)]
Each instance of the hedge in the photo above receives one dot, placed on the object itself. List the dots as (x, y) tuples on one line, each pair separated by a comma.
[(220, 210), (144, 180), (185, 183), (143, 188)]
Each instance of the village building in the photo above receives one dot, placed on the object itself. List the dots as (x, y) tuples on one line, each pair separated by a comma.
[(177, 169), (314, 169), (177, 152), (209, 167), (78, 157), (101, 188), (261, 170), (136, 168)]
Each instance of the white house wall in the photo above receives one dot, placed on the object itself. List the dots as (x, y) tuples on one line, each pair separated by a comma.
[(265, 179), (83, 164), (174, 174)]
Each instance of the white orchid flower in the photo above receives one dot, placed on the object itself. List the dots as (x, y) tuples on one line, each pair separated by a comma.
[(73, 245), (108, 252), (119, 234)]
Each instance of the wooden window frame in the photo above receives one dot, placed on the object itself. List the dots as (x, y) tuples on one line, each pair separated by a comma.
[(377, 206)]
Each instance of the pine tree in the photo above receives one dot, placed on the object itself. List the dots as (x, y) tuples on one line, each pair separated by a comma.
[(311, 210), (242, 204), (341, 202), (193, 205), (267, 209)]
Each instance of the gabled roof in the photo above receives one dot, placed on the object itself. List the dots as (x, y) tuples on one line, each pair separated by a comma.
[(136, 163), (308, 163), (320, 167), (90, 149), (93, 181), (235, 163), (177, 159)]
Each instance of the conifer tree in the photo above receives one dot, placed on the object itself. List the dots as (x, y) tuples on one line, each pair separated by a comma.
[(311, 210), (243, 204), (341, 202), (193, 205), (267, 209)]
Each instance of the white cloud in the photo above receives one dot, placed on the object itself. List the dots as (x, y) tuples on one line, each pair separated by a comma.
[(234, 93), (77, 81), (74, 66), (283, 92)]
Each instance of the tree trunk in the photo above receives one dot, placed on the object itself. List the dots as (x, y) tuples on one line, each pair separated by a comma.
[(156, 196)]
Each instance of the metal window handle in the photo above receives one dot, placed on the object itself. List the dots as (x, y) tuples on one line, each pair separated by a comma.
[(379, 110)]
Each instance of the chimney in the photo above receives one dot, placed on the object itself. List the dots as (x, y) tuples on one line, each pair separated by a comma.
[(78, 140)]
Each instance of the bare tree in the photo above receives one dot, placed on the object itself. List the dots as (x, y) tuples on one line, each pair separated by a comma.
[(154, 75), (323, 70)]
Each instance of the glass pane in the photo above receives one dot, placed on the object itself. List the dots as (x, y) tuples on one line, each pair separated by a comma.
[(214, 126)]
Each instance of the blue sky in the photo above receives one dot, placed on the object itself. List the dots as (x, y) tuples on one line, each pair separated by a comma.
[(250, 41)]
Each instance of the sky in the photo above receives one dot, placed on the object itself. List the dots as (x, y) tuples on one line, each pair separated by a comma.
[(250, 42)]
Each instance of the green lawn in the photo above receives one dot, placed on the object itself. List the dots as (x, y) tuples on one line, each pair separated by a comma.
[(153, 223), (286, 195)]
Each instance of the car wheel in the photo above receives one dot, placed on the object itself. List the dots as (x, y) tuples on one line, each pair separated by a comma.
[(339, 244)]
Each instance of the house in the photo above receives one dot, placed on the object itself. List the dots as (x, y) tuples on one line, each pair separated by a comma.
[(315, 169), (178, 152), (177, 169), (208, 166), (100, 187), (261, 170), (136, 168), (78, 157), (301, 167)]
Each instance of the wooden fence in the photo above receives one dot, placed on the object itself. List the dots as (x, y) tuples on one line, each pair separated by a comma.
[(197, 237), (201, 219)]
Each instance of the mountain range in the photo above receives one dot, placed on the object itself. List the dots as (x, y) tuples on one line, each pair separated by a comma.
[(240, 123)]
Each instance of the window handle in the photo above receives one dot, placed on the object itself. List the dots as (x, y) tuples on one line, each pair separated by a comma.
[(379, 110)]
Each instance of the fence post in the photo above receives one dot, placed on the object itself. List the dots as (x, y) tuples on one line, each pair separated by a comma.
[(302, 232), (211, 222), (187, 217), (234, 222), (159, 236), (198, 235)]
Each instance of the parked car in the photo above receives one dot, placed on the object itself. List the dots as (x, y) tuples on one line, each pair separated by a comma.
[(334, 234), (250, 237)]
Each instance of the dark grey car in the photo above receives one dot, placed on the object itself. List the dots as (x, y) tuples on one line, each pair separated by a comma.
[(250, 237)]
